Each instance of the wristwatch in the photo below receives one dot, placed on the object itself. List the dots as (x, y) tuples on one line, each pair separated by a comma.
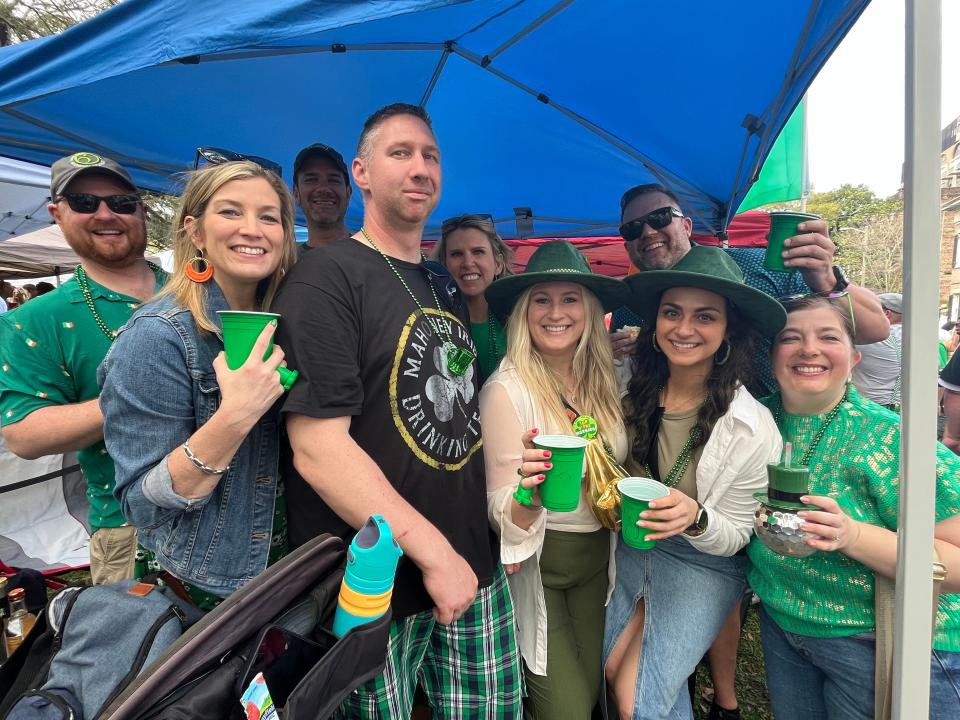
[(841, 276), (699, 525)]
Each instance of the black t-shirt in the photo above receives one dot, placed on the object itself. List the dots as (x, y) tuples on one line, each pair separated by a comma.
[(950, 375), (364, 350)]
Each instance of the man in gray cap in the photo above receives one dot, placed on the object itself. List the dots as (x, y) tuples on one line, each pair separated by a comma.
[(878, 375), (321, 187), (50, 348)]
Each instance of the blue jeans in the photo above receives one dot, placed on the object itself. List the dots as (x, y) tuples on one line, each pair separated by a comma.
[(832, 678), (687, 597)]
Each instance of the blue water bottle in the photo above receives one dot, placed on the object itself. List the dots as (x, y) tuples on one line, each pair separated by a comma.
[(368, 579)]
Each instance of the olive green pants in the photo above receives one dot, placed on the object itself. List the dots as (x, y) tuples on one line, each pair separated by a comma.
[(573, 567)]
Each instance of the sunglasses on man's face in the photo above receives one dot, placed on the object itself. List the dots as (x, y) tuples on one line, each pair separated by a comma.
[(88, 204), (219, 156), (657, 220)]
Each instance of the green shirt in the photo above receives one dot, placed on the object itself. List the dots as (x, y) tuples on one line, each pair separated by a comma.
[(50, 349), (857, 463), (491, 342)]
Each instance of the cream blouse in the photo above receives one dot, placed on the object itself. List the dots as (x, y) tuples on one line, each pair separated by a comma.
[(506, 412)]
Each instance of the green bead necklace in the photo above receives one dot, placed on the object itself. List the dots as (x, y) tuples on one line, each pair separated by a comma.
[(493, 349), (831, 416), (83, 283), (682, 462), (459, 359)]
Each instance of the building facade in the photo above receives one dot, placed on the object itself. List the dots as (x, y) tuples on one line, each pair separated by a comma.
[(950, 220)]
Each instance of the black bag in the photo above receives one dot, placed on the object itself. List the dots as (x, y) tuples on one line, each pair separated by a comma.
[(204, 673)]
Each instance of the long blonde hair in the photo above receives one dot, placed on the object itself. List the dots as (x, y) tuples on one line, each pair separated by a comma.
[(592, 366), (202, 186)]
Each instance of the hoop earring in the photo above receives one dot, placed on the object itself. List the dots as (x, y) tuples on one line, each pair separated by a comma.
[(198, 269), (726, 356), (656, 347)]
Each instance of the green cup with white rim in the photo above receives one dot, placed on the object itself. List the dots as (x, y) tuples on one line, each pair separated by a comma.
[(560, 491), (241, 328), (635, 496)]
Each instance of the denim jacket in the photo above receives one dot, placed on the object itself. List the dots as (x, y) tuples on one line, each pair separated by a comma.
[(159, 386)]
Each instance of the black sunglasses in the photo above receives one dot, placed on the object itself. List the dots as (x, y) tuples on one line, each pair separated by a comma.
[(87, 204), (657, 219), (219, 156)]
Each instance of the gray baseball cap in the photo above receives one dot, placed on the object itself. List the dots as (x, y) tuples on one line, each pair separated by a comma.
[(67, 168), (892, 302)]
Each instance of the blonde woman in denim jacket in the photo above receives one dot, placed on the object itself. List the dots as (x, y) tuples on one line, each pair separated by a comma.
[(196, 444)]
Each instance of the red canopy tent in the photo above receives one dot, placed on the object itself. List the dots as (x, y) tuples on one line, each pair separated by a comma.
[(607, 255)]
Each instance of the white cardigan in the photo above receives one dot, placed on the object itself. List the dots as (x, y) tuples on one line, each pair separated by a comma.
[(506, 411), (732, 467)]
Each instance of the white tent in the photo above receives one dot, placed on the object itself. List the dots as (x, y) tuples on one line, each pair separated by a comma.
[(38, 254), (24, 193)]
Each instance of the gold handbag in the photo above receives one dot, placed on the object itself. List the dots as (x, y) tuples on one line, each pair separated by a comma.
[(603, 474)]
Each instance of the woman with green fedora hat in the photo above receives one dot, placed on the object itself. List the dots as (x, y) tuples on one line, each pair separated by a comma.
[(693, 426), (557, 374)]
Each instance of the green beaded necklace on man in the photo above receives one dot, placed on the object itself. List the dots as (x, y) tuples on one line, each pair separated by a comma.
[(83, 283)]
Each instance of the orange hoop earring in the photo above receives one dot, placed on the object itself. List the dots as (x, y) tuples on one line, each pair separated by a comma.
[(198, 269)]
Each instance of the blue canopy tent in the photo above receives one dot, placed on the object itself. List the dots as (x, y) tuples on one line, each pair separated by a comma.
[(545, 111)]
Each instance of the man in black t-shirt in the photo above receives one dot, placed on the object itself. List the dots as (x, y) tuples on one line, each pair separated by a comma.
[(950, 382), (385, 419)]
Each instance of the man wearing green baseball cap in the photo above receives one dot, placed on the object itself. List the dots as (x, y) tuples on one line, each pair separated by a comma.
[(50, 348)]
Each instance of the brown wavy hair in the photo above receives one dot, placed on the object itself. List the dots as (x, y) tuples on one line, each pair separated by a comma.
[(650, 374)]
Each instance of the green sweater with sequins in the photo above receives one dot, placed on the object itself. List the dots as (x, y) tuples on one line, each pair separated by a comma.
[(857, 463)]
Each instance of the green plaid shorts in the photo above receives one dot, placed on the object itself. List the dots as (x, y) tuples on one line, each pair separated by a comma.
[(470, 669)]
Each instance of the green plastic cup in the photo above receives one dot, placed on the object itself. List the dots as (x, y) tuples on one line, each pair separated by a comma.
[(635, 496), (783, 225), (560, 492), (241, 328)]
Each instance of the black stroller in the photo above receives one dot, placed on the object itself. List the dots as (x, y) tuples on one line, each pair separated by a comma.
[(277, 624)]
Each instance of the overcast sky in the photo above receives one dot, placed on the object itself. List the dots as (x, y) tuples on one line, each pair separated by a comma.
[(855, 106)]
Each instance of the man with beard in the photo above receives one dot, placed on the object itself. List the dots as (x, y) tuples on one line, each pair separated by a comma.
[(657, 234), (321, 187), (385, 419), (50, 348)]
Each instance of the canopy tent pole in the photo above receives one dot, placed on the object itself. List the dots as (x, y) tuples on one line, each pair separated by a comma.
[(921, 256)]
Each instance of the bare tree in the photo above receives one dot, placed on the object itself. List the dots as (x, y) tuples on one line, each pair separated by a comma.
[(872, 253), (21, 20)]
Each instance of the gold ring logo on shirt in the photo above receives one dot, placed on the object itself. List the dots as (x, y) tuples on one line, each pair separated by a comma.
[(434, 409)]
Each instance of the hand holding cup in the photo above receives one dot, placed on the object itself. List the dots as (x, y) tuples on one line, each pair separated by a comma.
[(250, 390)]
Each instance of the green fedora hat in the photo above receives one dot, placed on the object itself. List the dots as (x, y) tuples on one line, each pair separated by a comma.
[(556, 261), (708, 268)]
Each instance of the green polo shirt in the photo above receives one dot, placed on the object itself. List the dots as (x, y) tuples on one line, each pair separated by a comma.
[(50, 349)]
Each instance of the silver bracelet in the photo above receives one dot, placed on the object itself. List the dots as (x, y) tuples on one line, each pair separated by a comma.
[(200, 465)]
